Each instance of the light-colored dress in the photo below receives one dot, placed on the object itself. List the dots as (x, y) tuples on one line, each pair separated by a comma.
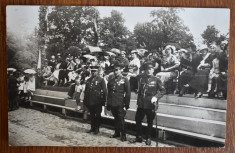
[(168, 62)]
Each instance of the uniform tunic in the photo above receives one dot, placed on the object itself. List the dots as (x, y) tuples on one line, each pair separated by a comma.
[(118, 91), (95, 98), (95, 91), (118, 98), (149, 87)]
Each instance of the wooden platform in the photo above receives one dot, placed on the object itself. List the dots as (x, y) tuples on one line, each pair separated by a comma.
[(202, 118)]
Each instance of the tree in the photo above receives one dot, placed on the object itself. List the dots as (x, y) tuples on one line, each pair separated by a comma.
[(166, 27), (21, 52), (113, 33), (210, 35), (71, 26)]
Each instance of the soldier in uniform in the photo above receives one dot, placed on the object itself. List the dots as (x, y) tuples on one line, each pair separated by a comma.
[(150, 90), (118, 99), (94, 98)]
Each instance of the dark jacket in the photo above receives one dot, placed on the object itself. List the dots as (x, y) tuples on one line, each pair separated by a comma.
[(149, 87), (12, 86), (119, 93), (95, 91)]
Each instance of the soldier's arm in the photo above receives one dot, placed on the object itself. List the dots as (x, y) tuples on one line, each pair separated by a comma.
[(128, 93)]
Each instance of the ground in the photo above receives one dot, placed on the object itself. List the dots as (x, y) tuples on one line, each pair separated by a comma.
[(29, 127)]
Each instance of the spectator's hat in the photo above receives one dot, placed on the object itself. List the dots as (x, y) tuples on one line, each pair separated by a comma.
[(115, 51), (224, 42), (94, 68), (53, 57), (123, 52), (134, 51), (182, 51), (203, 47), (58, 54), (171, 47), (148, 65)]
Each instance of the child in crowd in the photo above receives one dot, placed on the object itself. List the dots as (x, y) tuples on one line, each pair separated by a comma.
[(79, 91), (26, 91)]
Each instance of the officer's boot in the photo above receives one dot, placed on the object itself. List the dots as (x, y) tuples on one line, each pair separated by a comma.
[(148, 141), (96, 131), (123, 137), (137, 139), (116, 134)]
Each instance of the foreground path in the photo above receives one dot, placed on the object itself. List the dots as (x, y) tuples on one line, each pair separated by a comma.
[(28, 127)]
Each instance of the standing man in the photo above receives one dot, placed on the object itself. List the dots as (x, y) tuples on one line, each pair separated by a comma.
[(118, 99), (12, 91), (149, 92), (95, 98)]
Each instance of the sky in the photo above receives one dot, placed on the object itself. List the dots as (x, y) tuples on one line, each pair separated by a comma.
[(23, 19)]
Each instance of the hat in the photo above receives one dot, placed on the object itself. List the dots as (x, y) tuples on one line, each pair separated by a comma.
[(53, 56), (171, 47), (183, 50), (115, 51), (123, 52), (148, 65), (134, 51), (94, 68), (224, 42), (58, 54)]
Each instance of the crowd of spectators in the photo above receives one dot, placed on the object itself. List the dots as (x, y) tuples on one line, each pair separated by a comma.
[(181, 70)]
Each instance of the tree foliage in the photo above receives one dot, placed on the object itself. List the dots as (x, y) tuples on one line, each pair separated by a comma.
[(71, 26), (166, 27), (21, 51), (211, 35), (114, 34)]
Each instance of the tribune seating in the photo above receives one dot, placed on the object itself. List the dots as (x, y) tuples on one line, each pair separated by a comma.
[(202, 118)]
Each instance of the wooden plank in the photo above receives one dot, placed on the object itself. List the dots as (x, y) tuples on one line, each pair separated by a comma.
[(188, 133), (49, 99)]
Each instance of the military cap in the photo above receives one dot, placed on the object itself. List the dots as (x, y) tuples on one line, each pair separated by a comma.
[(148, 65)]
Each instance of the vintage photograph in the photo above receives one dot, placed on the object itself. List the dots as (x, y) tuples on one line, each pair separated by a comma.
[(117, 76)]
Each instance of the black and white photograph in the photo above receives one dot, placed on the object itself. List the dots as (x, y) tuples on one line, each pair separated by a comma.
[(99, 76)]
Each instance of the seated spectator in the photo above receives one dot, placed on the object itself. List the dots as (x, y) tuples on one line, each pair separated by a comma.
[(186, 70), (55, 75), (63, 73), (199, 81), (169, 65), (217, 81), (46, 72), (52, 63)]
